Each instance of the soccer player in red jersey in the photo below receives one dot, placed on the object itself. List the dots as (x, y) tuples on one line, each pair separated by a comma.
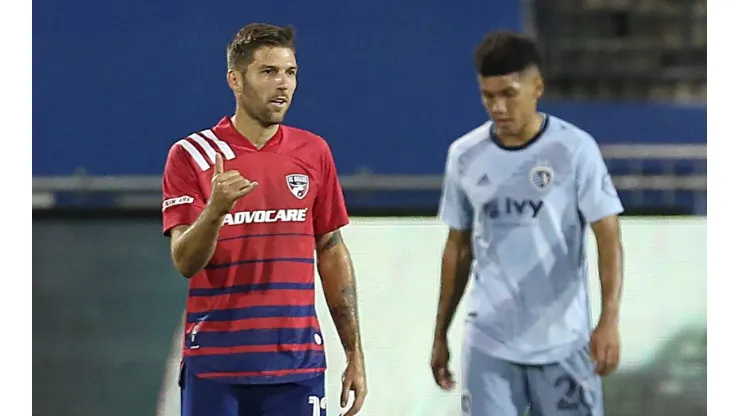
[(251, 205)]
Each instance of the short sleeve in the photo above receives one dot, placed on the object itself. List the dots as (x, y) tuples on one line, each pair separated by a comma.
[(455, 209), (597, 196), (182, 199), (330, 211)]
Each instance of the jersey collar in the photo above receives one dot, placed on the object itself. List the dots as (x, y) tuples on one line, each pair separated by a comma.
[(497, 141), (226, 131)]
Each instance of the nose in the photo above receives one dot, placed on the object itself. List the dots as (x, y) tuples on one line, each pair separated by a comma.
[(282, 81), (498, 106)]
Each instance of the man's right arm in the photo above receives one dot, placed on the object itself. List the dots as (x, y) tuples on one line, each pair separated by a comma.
[(456, 261), (192, 246), (194, 235), (457, 212)]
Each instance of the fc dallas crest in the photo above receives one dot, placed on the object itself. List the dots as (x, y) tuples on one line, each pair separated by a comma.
[(297, 184)]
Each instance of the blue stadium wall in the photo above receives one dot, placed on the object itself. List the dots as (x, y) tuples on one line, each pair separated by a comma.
[(388, 84)]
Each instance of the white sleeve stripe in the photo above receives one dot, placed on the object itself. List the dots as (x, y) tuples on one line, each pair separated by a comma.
[(225, 149), (203, 143), (195, 154)]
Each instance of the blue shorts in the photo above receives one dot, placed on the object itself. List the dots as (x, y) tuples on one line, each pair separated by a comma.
[(204, 397), (495, 387)]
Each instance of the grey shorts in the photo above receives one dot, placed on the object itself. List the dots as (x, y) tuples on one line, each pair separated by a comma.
[(495, 387)]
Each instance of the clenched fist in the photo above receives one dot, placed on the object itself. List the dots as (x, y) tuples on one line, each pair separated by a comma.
[(227, 187)]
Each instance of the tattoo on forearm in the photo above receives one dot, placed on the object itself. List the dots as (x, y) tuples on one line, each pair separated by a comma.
[(345, 317), (338, 275), (333, 239)]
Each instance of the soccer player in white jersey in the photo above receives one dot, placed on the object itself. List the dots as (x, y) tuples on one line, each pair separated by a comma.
[(519, 193)]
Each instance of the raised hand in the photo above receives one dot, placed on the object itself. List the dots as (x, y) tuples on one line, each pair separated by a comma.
[(227, 187)]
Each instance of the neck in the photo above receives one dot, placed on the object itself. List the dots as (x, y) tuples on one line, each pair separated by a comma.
[(252, 129), (530, 130)]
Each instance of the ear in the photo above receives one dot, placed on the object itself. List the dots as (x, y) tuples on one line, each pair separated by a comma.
[(235, 80), (539, 85)]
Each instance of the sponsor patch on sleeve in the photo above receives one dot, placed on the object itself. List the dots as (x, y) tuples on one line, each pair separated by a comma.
[(181, 200)]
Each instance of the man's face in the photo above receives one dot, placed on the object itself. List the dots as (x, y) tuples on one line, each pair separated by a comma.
[(511, 100), (265, 89)]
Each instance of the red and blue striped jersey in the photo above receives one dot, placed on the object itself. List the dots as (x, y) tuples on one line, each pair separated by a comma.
[(251, 316)]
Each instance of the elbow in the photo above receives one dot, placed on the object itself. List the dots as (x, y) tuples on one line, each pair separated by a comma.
[(466, 254), (185, 268), (457, 253), (332, 255), (186, 262), (186, 272), (611, 248), (331, 260), (459, 243)]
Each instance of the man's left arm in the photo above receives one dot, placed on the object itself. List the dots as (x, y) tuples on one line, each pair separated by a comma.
[(599, 204), (338, 281), (611, 266), (340, 288)]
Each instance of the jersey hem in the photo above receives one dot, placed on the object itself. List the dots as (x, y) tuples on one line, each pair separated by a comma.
[(264, 380), (477, 339)]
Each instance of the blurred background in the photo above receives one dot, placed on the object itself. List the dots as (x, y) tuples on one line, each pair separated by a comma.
[(389, 85)]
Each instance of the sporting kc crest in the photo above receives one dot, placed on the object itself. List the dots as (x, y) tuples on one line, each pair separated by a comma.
[(298, 185), (542, 176)]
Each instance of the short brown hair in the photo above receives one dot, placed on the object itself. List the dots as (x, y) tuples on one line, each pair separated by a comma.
[(240, 52)]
